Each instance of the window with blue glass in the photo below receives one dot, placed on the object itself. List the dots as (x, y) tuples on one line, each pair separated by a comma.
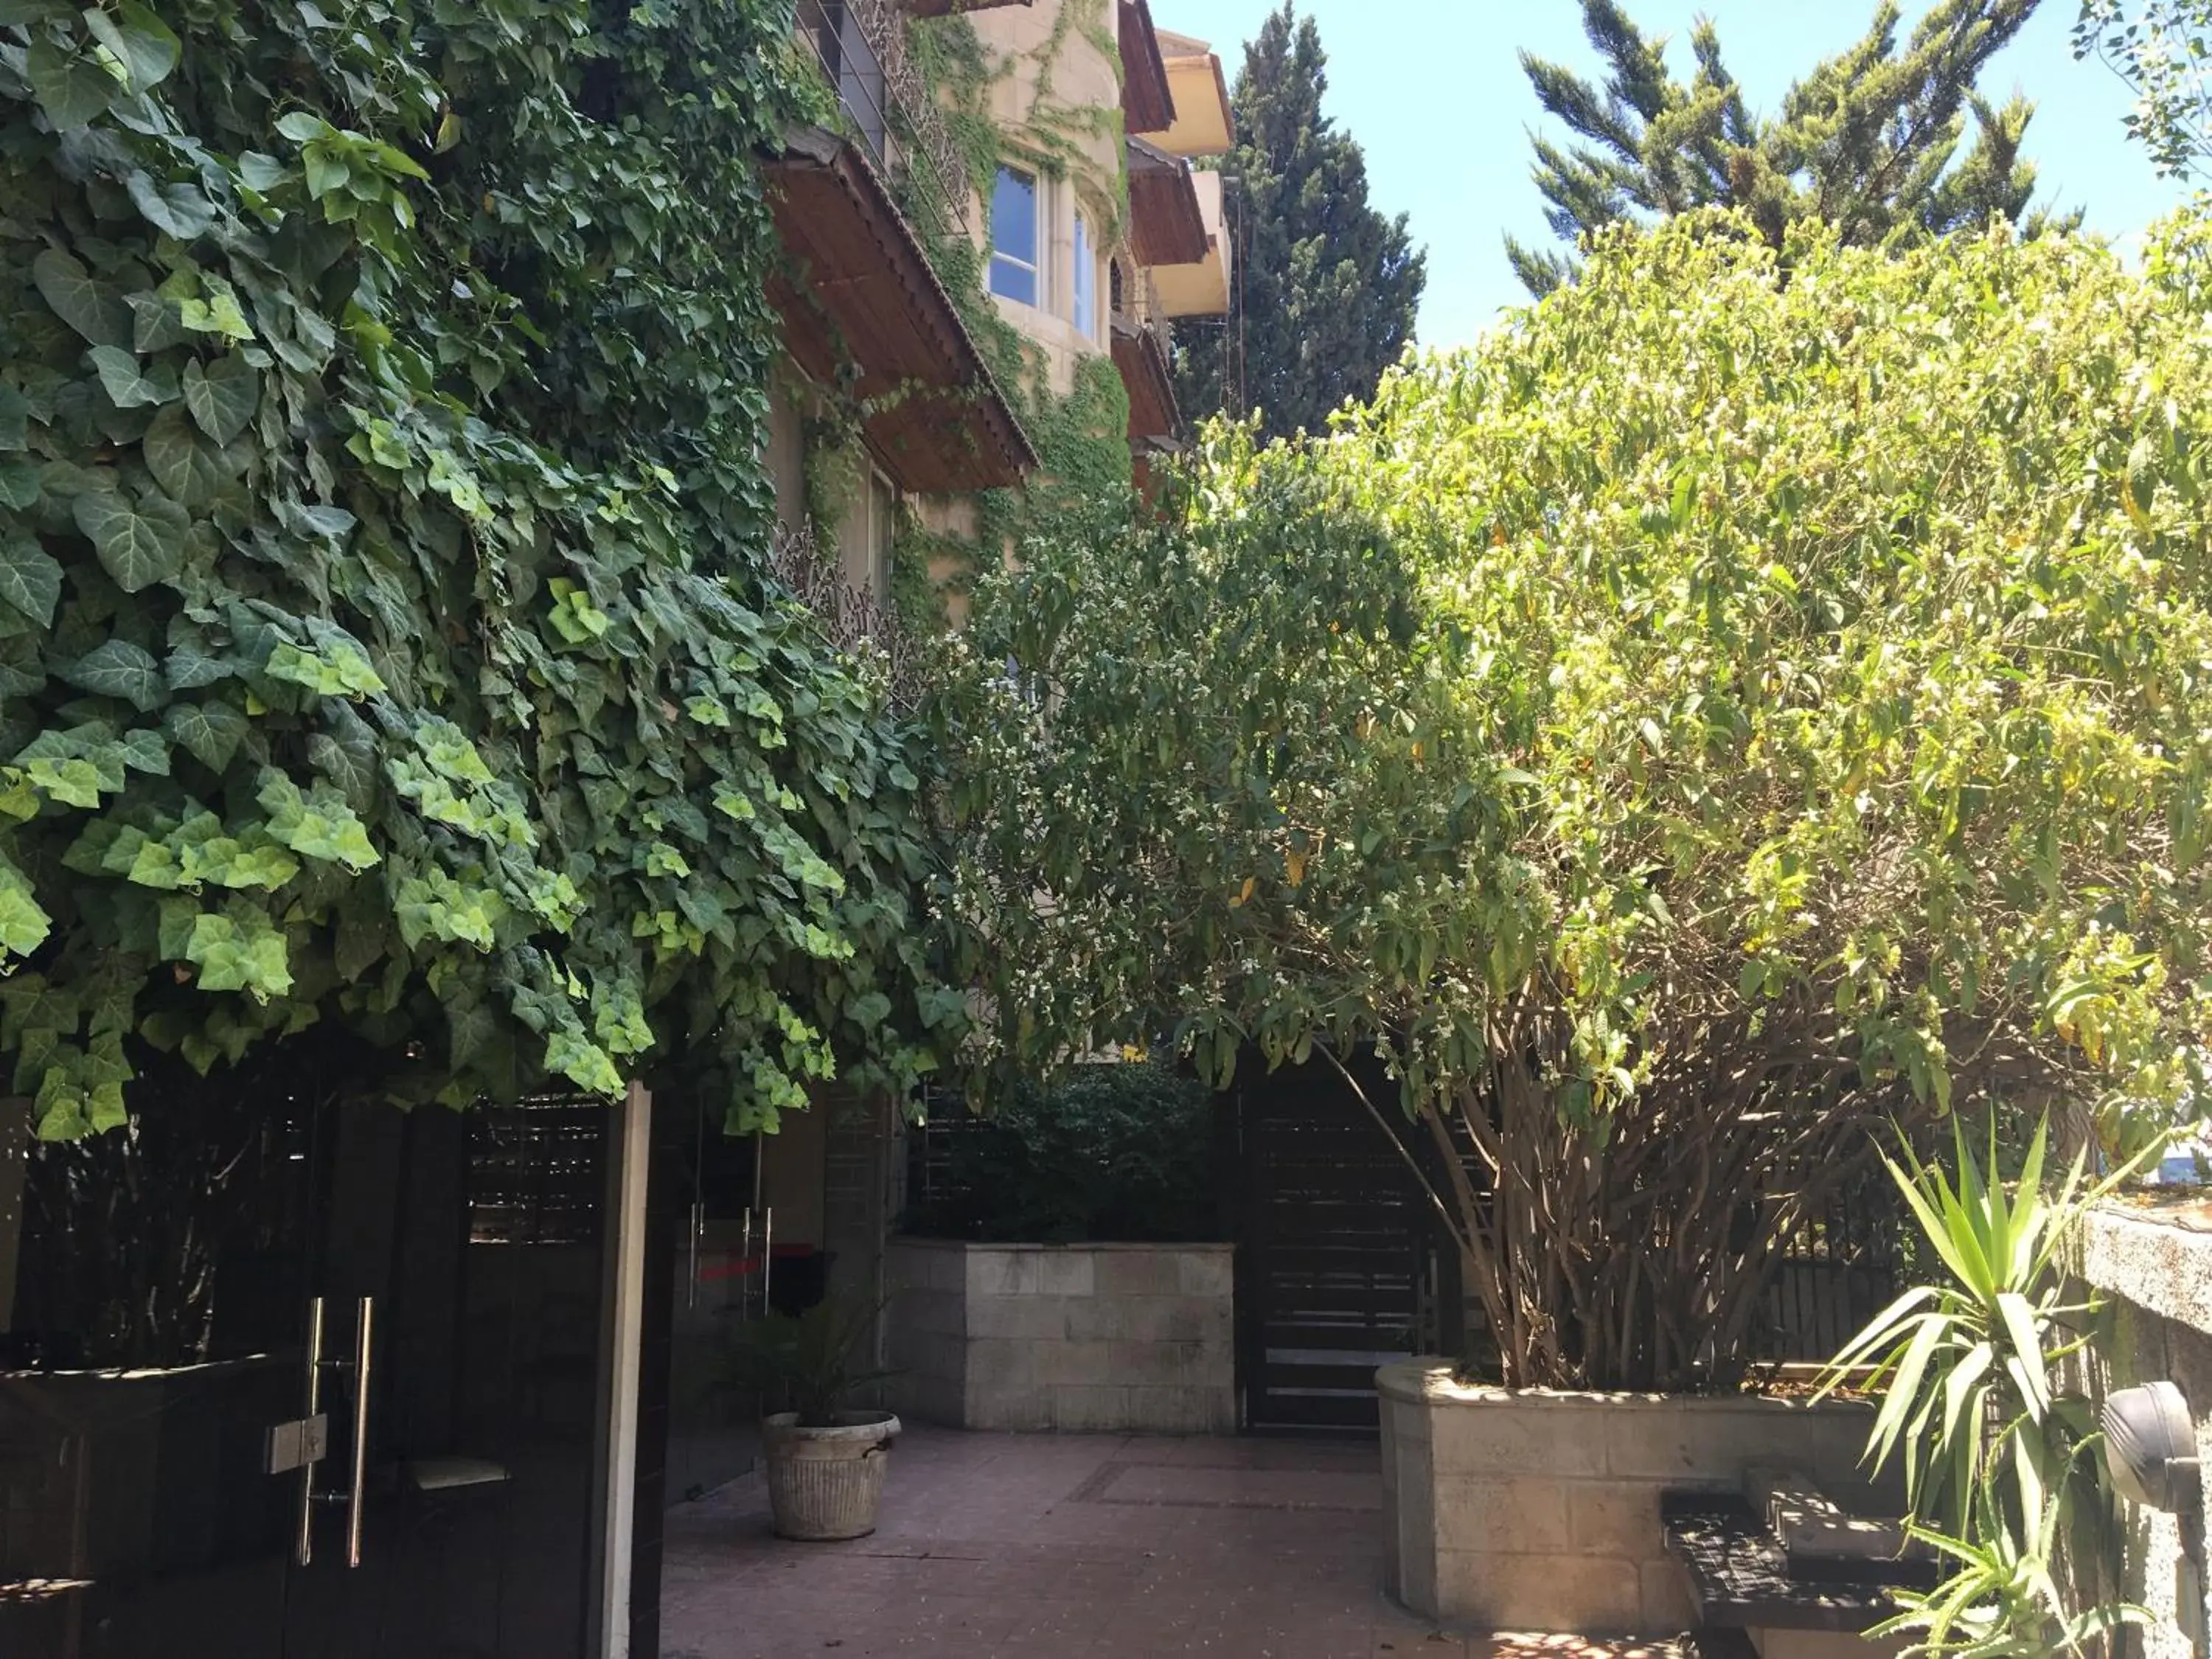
[(1014, 258)]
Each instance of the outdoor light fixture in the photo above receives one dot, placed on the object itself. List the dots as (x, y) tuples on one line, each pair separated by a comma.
[(2153, 1446)]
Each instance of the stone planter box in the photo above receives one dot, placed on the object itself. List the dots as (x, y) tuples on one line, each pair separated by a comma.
[(1530, 1510), (1079, 1338)]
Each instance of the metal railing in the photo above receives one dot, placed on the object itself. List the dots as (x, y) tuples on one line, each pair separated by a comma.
[(861, 46), (857, 620)]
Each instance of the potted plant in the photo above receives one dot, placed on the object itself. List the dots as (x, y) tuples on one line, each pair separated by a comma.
[(825, 1458)]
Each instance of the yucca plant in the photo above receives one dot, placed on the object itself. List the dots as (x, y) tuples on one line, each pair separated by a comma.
[(1964, 1364), (2003, 1598), (2003, 1468)]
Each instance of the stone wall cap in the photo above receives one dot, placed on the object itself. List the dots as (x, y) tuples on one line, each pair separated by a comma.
[(2160, 1259), (1435, 1383), (2187, 1209)]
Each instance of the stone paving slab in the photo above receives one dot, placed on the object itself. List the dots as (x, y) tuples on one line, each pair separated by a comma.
[(1067, 1547)]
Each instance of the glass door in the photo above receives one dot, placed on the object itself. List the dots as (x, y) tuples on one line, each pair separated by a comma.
[(725, 1238), (459, 1292), (291, 1377)]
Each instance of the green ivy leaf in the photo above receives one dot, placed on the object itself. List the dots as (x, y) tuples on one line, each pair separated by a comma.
[(156, 322), (181, 210), (317, 824), (210, 732), (139, 542), (19, 485), (90, 307), (143, 750), (570, 1053), (218, 315), (145, 862), (473, 1030), (30, 578), (14, 420), (146, 46), (190, 667), (19, 801), (223, 396), (72, 783), (344, 672), (125, 387), (23, 924), (265, 868), (239, 951), (71, 87), (104, 1108), (347, 756), (119, 669), (183, 463)]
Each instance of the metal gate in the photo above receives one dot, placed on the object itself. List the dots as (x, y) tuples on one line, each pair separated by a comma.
[(1335, 1272)]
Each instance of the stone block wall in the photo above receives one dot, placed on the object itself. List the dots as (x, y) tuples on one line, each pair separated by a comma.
[(2156, 1270), (1530, 1510), (1078, 1338)]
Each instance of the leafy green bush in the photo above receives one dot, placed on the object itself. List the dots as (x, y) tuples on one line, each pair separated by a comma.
[(1100, 1154), (1750, 698)]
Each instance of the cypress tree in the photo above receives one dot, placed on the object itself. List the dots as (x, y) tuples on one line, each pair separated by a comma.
[(1871, 140), (1326, 289)]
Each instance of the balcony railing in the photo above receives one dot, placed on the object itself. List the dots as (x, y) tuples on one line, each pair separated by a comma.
[(861, 46), (857, 621)]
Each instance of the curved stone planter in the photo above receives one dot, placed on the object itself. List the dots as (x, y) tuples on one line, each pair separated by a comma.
[(1532, 1510), (825, 1483)]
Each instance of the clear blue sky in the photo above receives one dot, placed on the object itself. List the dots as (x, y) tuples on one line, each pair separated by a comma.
[(1434, 92)]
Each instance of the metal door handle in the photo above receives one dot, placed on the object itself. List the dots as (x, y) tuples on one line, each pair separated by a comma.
[(363, 1356), (303, 1549), (698, 1224)]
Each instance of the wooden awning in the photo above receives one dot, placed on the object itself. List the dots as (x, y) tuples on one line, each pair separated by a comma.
[(864, 311), (1166, 224), (1147, 106), (1142, 358), (948, 8)]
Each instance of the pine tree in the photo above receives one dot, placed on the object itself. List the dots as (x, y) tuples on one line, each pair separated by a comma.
[(1869, 141), (1327, 288)]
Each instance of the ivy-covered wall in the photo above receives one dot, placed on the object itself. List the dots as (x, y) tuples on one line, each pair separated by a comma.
[(382, 634), (1006, 101)]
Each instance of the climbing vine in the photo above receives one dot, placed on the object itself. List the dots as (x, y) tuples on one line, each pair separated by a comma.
[(384, 634)]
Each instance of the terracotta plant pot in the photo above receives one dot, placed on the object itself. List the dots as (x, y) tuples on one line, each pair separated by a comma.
[(825, 1483)]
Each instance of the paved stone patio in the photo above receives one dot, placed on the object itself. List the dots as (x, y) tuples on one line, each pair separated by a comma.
[(1090, 1546)]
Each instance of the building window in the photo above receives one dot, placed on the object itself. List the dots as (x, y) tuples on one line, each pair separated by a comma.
[(866, 537), (1086, 282), (1014, 236)]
